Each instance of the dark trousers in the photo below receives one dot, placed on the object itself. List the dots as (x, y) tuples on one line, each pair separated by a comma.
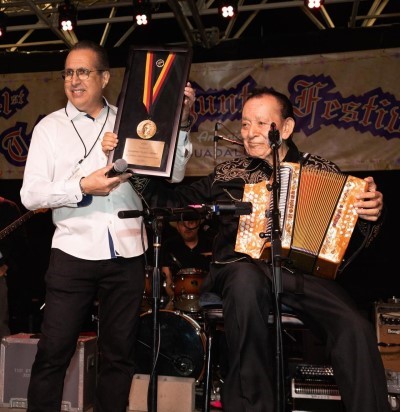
[(325, 307), (4, 317), (72, 286)]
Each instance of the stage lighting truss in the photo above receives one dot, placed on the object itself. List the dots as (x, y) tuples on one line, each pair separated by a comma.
[(3, 23), (228, 8), (67, 16), (142, 12), (313, 4)]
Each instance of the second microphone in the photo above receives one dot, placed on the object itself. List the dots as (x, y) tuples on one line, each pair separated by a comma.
[(119, 167)]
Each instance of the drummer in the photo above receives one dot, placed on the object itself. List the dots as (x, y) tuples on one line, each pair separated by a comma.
[(189, 248)]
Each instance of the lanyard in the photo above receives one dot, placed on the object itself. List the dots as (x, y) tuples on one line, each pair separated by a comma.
[(87, 153)]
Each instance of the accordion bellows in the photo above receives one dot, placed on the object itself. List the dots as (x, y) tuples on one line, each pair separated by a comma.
[(316, 213)]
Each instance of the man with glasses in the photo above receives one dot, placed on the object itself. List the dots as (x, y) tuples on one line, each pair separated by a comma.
[(81, 73), (244, 281), (95, 255)]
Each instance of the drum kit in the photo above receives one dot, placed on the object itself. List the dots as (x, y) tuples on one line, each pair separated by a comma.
[(182, 336)]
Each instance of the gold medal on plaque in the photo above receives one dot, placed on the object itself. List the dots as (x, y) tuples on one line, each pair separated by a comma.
[(146, 129)]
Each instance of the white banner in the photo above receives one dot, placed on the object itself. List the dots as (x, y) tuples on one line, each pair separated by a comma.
[(346, 105)]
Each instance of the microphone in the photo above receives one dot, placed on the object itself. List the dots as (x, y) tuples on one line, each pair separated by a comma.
[(217, 137), (192, 212), (119, 167), (170, 214), (229, 207), (226, 139), (274, 137)]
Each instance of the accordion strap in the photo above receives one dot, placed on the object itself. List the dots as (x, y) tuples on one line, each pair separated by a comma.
[(344, 265)]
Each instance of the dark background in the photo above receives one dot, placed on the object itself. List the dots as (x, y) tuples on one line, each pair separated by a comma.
[(276, 44)]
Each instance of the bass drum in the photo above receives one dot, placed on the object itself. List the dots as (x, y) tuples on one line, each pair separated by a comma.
[(182, 345)]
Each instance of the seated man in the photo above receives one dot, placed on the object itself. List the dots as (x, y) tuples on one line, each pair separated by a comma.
[(245, 284)]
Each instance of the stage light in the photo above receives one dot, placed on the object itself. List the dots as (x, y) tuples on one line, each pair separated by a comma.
[(66, 16), (313, 4), (141, 12), (227, 8), (3, 23)]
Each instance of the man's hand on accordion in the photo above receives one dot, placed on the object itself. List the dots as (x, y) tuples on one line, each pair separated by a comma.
[(370, 204)]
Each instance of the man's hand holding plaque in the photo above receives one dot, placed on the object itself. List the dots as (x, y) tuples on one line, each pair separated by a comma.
[(110, 140), (153, 108)]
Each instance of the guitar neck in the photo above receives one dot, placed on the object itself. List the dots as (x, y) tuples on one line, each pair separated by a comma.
[(16, 224)]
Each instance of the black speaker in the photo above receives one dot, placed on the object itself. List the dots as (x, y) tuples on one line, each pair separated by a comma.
[(317, 405), (313, 388), (387, 322)]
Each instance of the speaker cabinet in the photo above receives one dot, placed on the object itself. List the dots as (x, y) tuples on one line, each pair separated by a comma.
[(387, 322), (17, 353), (174, 394)]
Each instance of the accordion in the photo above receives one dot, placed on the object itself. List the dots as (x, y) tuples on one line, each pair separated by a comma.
[(316, 216)]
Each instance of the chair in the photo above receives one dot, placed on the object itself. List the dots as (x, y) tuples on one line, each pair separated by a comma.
[(211, 306)]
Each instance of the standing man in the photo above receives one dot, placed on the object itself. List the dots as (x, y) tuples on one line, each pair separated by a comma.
[(95, 255)]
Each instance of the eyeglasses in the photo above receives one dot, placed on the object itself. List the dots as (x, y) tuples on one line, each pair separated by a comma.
[(81, 73)]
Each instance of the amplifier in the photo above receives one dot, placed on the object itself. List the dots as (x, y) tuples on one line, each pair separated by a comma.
[(314, 382), (387, 322), (17, 353), (393, 381), (314, 389), (174, 394)]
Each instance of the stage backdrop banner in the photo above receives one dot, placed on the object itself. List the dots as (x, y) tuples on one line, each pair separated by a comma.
[(347, 107)]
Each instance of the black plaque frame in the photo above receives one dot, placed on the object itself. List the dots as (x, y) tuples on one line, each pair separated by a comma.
[(151, 99)]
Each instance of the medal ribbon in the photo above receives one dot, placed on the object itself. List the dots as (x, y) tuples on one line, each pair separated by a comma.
[(150, 93)]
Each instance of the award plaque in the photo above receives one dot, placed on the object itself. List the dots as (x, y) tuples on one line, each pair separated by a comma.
[(149, 109)]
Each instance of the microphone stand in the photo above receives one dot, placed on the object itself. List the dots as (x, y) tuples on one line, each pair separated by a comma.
[(215, 141), (276, 250), (224, 138), (157, 217), (157, 225)]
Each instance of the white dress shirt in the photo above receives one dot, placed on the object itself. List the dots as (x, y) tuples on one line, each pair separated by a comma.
[(86, 226)]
